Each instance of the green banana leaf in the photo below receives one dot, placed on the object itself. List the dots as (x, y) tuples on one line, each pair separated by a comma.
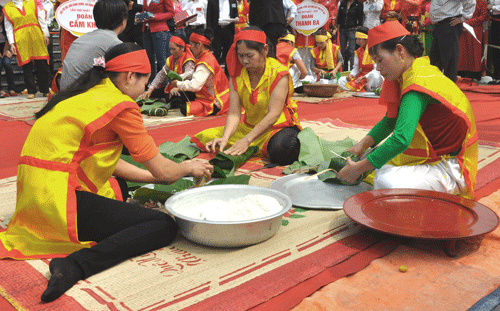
[(172, 75), (182, 150), (163, 192), (315, 150), (225, 165)]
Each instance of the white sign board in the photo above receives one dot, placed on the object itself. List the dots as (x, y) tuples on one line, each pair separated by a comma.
[(310, 17), (76, 16)]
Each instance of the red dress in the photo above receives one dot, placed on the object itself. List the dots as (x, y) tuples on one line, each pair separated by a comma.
[(471, 51)]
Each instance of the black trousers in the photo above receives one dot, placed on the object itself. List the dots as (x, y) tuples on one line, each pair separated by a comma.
[(445, 48), (121, 231), (223, 39), (494, 53), (42, 75)]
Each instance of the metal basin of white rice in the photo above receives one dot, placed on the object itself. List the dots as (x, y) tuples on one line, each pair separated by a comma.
[(225, 233)]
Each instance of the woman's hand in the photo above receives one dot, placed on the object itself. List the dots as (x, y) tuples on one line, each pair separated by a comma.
[(146, 94), (216, 145), (173, 83), (174, 92), (13, 48), (200, 168), (334, 73), (238, 148), (358, 80), (321, 72), (351, 172), (358, 150)]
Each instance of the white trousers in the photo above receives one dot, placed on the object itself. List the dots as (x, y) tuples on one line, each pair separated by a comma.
[(373, 80), (443, 177)]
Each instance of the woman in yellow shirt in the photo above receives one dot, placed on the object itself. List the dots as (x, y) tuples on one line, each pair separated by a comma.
[(263, 88), (71, 181)]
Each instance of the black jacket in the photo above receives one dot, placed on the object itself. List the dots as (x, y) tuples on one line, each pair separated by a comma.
[(352, 18), (264, 12), (213, 13), (131, 27)]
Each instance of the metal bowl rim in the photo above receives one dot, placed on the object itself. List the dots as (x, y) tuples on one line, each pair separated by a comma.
[(211, 222)]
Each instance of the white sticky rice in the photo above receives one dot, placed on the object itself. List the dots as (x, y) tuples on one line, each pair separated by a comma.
[(245, 208)]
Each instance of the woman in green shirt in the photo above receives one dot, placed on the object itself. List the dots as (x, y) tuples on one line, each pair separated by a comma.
[(433, 145)]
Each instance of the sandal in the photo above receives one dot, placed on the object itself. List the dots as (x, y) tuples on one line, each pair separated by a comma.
[(12, 93)]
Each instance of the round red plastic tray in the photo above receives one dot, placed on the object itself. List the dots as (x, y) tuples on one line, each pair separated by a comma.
[(420, 213)]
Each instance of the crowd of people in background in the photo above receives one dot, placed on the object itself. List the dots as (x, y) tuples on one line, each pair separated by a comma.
[(439, 23)]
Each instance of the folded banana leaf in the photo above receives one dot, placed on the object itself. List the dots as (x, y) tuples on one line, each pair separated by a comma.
[(163, 192), (225, 165), (176, 152), (336, 164), (153, 107)]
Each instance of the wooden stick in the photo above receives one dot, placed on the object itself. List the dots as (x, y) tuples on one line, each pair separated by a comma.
[(338, 155), (319, 173)]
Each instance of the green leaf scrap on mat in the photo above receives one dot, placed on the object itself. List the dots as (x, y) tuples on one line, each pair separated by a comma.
[(315, 150), (163, 192), (225, 165)]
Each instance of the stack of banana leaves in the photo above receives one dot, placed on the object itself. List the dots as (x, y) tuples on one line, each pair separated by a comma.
[(224, 168), (320, 155)]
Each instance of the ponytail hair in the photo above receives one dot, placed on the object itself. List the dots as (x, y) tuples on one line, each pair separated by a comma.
[(90, 78)]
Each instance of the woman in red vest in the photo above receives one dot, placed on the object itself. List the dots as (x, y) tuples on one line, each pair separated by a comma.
[(181, 62), (208, 82), (364, 74), (288, 56), (71, 181), (433, 145), (327, 56)]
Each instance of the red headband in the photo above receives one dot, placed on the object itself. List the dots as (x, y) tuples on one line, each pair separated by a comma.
[(177, 41), (199, 38), (136, 61), (233, 64)]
